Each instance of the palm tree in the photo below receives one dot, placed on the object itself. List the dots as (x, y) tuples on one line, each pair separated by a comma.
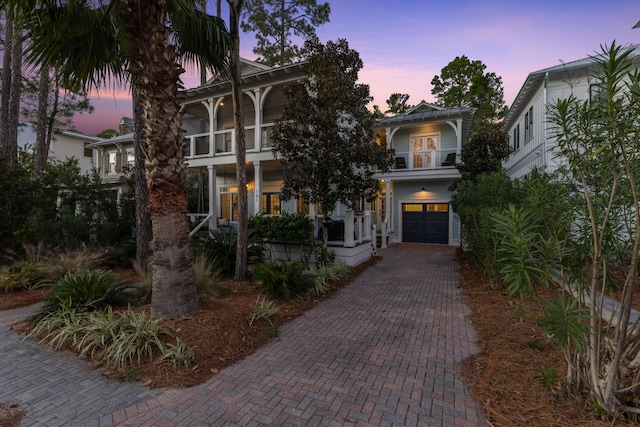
[(97, 43)]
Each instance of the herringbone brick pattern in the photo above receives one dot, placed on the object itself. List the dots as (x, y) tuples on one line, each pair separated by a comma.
[(383, 351)]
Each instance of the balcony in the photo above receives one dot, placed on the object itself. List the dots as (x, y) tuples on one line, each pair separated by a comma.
[(223, 142), (425, 160)]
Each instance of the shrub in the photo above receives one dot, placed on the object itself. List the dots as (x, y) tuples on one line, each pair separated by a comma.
[(89, 290), (327, 274), (284, 228), (262, 309), (284, 280), (206, 277), (221, 245), (116, 339)]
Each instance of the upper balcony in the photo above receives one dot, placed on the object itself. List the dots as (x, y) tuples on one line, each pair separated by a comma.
[(223, 142)]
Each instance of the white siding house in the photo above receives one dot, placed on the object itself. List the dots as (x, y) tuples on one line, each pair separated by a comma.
[(428, 139), (527, 119), (64, 145)]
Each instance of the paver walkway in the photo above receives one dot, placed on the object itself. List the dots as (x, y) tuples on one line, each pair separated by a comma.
[(384, 350)]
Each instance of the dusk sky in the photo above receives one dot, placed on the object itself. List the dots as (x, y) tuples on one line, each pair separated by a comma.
[(404, 43)]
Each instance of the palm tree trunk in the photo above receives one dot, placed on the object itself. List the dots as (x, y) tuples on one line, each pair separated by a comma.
[(11, 124), (235, 8), (6, 87), (157, 76), (143, 221)]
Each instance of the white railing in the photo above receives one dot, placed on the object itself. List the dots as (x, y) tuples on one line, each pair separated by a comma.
[(224, 142), (357, 229), (429, 159), (195, 217)]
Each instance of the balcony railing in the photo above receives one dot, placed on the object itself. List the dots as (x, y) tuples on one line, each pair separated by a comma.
[(224, 142), (350, 229), (429, 159)]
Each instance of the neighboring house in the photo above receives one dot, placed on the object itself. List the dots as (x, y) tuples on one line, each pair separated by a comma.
[(64, 145), (428, 139), (416, 202), (527, 120)]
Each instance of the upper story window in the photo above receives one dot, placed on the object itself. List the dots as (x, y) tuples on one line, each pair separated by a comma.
[(112, 162), (131, 159), (516, 138), (596, 92), (528, 125), (424, 150)]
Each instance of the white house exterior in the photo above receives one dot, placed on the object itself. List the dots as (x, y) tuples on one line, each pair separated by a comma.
[(428, 139), (64, 145), (416, 202), (527, 119)]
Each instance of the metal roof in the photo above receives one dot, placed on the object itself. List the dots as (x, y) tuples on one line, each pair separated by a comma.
[(535, 79)]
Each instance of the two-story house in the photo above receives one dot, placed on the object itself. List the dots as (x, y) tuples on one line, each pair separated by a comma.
[(413, 208), (527, 120), (64, 145)]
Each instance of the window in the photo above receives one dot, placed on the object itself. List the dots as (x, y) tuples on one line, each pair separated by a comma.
[(88, 152), (131, 159), (516, 138), (424, 150), (112, 163), (229, 203), (528, 125), (412, 207), (271, 203), (595, 92), (303, 205)]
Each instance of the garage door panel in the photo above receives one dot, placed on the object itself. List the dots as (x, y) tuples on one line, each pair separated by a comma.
[(426, 226)]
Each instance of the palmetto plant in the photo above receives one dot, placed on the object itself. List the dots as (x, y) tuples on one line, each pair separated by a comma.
[(220, 247), (89, 290), (142, 42)]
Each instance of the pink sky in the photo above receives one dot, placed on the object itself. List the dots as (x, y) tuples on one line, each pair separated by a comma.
[(404, 43)]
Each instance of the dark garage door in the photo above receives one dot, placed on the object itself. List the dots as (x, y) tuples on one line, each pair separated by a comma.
[(425, 222)]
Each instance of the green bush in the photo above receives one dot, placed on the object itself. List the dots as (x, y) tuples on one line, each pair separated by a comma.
[(116, 339), (206, 276), (284, 280), (221, 246), (283, 228), (89, 290)]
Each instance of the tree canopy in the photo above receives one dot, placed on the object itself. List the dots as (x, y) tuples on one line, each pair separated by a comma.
[(277, 23), (487, 147), (325, 136), (397, 103), (464, 83)]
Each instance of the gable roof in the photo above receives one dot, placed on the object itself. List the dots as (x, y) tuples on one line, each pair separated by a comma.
[(423, 112), (536, 78)]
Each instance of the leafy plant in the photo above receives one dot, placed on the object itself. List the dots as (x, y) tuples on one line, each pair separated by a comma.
[(547, 376), (284, 280), (89, 290), (116, 339), (524, 256), (220, 246), (566, 323), (206, 277), (262, 309), (327, 274)]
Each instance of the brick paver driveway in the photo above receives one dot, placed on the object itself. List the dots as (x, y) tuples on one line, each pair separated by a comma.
[(384, 350)]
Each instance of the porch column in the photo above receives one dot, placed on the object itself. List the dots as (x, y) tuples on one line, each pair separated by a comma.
[(257, 188), (257, 106), (458, 139), (213, 208), (349, 218), (387, 213)]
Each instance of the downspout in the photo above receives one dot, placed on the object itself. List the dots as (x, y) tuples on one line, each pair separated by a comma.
[(544, 122)]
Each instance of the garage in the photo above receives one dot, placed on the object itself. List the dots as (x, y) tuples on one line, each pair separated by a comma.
[(425, 222)]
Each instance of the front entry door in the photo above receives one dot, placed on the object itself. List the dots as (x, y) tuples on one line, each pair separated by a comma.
[(425, 222)]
